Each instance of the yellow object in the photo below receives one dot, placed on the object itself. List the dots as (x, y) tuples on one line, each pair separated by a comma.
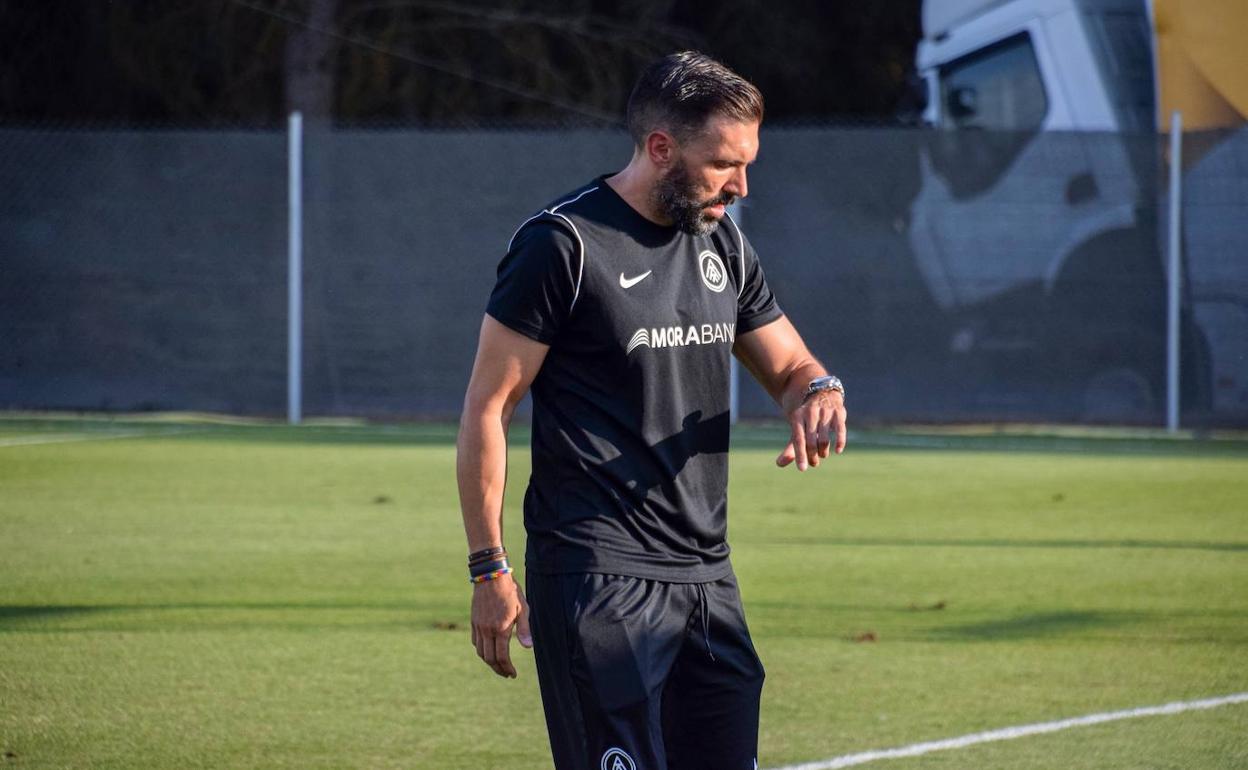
[(1202, 62)]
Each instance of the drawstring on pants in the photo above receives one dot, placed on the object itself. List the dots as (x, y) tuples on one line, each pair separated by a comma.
[(705, 611)]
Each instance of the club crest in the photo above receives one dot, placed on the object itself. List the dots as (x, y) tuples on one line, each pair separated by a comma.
[(713, 273)]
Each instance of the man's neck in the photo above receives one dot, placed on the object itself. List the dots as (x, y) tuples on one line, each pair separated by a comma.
[(635, 185)]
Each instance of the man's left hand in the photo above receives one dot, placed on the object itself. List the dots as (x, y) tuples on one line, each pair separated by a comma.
[(812, 424)]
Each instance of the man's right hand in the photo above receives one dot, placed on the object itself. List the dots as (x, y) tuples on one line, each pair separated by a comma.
[(498, 606)]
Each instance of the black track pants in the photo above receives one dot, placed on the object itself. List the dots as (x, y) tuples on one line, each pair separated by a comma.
[(645, 675)]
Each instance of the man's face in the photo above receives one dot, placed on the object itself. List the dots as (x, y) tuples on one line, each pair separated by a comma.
[(707, 175)]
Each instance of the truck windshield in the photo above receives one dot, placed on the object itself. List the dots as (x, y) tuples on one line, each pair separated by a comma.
[(997, 87)]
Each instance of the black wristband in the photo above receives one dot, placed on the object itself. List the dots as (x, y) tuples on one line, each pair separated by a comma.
[(486, 567)]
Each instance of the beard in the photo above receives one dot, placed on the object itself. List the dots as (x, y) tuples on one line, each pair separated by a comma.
[(677, 199)]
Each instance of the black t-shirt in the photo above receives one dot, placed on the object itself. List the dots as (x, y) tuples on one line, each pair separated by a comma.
[(630, 407)]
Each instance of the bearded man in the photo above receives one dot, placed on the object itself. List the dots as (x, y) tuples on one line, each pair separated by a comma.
[(618, 306)]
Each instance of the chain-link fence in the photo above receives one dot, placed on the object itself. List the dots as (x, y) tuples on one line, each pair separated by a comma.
[(945, 277)]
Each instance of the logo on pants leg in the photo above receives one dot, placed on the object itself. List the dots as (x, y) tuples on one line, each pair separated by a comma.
[(617, 759)]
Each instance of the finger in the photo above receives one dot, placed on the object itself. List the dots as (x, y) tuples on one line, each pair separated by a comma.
[(479, 642), (786, 455), (811, 423), (523, 633), (826, 429), (842, 417), (502, 655), (489, 651), (799, 442), (822, 438)]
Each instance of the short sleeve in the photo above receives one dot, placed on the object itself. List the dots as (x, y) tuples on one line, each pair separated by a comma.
[(756, 305), (537, 281)]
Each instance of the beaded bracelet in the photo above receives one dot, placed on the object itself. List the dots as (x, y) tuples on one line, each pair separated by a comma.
[(495, 575)]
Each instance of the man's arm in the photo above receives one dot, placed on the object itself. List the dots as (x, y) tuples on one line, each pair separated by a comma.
[(778, 358), (505, 366)]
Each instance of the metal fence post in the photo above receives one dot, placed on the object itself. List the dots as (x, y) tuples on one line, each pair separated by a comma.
[(1173, 296), (294, 347)]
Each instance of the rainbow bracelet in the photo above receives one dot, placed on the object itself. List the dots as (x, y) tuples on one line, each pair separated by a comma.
[(488, 576)]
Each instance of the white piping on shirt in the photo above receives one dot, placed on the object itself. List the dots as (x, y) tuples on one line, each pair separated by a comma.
[(740, 255), (554, 211)]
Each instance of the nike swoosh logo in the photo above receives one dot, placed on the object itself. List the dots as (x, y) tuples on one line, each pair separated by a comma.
[(628, 283)]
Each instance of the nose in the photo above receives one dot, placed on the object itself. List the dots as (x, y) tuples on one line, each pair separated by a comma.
[(737, 185)]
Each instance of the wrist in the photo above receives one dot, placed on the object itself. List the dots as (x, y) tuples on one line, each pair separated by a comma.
[(795, 394), (821, 386), (488, 564)]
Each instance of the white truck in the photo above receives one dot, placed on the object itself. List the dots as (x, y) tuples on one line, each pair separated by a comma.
[(1040, 224)]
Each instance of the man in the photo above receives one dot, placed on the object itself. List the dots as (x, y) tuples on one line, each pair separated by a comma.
[(618, 306)]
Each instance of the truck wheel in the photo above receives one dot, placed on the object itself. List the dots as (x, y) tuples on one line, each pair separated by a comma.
[(1118, 394)]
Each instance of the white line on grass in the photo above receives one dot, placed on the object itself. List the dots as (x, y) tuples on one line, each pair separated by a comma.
[(63, 438), (1020, 731)]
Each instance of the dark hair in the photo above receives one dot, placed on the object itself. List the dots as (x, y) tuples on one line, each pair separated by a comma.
[(681, 91)]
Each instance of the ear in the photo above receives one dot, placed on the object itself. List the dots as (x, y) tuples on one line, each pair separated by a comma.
[(661, 148)]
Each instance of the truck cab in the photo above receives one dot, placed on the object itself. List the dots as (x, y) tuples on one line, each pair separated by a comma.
[(1037, 226)]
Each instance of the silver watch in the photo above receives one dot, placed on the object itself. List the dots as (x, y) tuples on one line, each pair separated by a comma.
[(821, 384)]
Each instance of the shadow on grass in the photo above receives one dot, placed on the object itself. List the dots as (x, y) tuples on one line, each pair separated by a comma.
[(924, 624), (422, 434), (904, 542), (1155, 626), (1039, 625), (15, 616), (439, 436)]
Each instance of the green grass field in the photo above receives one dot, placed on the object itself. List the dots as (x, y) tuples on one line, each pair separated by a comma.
[(191, 594)]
